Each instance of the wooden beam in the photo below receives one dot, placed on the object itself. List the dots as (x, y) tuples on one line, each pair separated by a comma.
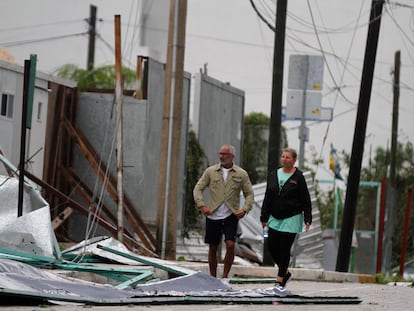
[(99, 167), (80, 208), (61, 218)]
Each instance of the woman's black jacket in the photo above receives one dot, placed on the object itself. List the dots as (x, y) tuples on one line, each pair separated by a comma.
[(291, 200)]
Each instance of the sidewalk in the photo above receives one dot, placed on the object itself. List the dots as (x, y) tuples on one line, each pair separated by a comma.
[(299, 274)]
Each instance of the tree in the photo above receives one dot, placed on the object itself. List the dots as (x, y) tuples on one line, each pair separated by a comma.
[(377, 170), (196, 163), (103, 77), (255, 145)]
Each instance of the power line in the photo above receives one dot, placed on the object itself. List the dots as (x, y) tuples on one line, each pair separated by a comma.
[(30, 41), (31, 27)]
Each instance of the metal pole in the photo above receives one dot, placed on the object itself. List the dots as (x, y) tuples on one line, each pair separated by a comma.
[(23, 138), (302, 130), (27, 108)]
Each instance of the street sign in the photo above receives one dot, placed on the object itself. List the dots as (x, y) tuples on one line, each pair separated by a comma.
[(305, 72), (326, 114), (297, 100)]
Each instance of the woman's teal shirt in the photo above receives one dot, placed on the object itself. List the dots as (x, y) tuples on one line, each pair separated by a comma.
[(292, 224)]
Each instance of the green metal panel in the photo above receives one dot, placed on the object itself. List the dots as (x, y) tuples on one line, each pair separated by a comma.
[(142, 260)]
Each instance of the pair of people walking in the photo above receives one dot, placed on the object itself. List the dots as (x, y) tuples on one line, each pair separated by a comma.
[(286, 209)]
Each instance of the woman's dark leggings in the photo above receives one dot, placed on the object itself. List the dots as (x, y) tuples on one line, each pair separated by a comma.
[(280, 244)]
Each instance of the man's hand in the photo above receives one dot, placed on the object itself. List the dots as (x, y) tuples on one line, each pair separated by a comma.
[(205, 211), (307, 226), (240, 213)]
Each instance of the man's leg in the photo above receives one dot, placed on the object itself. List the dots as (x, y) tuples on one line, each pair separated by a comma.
[(229, 258), (230, 232), (212, 259)]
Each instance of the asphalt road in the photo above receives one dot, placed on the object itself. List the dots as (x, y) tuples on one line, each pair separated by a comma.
[(374, 297)]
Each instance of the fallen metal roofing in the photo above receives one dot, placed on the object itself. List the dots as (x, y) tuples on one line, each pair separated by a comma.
[(19, 280), (109, 248), (28, 243)]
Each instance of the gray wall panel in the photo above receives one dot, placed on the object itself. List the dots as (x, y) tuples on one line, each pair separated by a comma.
[(218, 116), (142, 124)]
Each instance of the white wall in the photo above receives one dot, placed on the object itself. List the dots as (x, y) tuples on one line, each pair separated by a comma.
[(12, 82)]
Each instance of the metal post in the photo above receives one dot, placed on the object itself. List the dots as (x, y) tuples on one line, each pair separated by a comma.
[(302, 130)]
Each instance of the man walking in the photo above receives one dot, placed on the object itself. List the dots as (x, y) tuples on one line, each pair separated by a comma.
[(225, 181)]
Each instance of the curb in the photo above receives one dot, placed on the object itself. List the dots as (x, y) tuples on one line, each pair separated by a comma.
[(299, 274)]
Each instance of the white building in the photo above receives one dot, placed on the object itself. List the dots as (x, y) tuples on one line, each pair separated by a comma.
[(11, 90)]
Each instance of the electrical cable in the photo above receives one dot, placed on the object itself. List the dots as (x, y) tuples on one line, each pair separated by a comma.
[(330, 72), (30, 41)]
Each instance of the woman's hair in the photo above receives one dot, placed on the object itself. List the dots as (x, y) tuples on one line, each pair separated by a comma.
[(291, 151)]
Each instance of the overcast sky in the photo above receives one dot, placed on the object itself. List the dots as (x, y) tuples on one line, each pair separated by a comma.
[(237, 47)]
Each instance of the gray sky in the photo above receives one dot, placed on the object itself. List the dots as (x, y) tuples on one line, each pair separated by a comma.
[(237, 47)]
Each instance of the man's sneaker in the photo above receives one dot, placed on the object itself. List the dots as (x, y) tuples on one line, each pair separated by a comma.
[(286, 278), (280, 290), (225, 281)]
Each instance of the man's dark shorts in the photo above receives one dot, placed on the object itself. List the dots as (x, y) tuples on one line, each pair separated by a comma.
[(216, 228)]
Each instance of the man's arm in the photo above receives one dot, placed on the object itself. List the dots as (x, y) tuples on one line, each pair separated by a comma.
[(201, 185)]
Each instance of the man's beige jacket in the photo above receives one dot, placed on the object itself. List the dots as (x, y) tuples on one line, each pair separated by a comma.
[(228, 192)]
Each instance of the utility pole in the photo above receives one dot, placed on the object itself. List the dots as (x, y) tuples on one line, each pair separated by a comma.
[(275, 124), (171, 132), (119, 130), (92, 36), (392, 194), (394, 131), (348, 220)]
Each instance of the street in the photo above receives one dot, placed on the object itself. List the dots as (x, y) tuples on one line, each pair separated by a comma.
[(374, 297)]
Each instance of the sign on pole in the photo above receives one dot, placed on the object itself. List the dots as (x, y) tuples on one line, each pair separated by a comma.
[(295, 104), (305, 72)]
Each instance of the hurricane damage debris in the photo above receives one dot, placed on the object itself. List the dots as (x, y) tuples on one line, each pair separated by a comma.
[(33, 269), (21, 282)]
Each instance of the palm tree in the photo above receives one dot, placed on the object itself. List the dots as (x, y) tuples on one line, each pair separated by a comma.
[(103, 77)]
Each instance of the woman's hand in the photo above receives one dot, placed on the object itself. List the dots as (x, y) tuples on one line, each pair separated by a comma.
[(307, 226)]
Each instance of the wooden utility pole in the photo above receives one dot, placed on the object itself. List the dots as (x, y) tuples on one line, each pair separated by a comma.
[(92, 36), (118, 128), (277, 87), (275, 124), (395, 107), (171, 132), (348, 220), (392, 193)]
